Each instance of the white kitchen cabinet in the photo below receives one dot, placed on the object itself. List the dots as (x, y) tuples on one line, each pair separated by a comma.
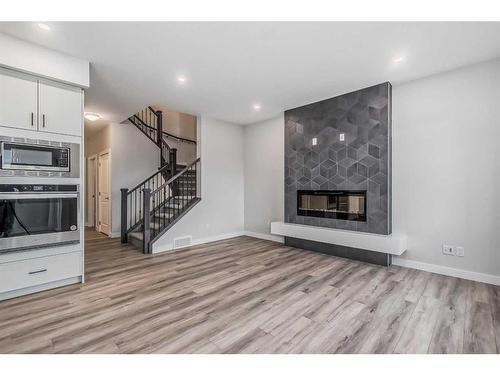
[(18, 101), (28, 102), (37, 271), (60, 109)]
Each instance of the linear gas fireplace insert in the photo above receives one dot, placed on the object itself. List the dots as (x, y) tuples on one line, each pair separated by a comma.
[(333, 204)]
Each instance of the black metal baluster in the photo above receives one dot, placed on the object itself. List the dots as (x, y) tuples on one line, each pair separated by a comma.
[(158, 219), (184, 195)]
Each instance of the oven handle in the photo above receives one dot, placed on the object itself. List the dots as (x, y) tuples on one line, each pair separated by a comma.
[(18, 196)]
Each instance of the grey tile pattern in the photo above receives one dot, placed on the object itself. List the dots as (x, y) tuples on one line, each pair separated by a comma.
[(361, 162)]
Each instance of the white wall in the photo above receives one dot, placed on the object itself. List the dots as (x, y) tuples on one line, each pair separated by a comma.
[(182, 125), (133, 158), (446, 169), (220, 213), (264, 174), (186, 152), (98, 142)]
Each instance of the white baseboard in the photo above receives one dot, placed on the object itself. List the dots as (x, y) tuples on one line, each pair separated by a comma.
[(265, 236), (114, 235), (200, 241), (447, 271)]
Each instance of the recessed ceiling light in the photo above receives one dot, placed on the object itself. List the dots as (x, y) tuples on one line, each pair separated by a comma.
[(92, 116), (256, 107), (181, 80), (44, 26), (398, 59)]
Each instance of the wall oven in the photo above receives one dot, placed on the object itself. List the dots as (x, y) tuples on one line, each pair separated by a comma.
[(31, 157), (33, 216)]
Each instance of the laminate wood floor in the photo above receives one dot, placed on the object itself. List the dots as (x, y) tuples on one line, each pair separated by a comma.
[(246, 295)]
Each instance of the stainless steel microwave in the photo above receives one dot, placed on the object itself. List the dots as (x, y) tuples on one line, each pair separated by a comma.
[(29, 157)]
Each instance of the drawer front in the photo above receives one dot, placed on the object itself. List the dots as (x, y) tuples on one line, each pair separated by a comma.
[(31, 272)]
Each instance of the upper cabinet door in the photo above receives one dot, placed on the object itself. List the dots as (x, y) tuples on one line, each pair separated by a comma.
[(17, 101), (60, 109)]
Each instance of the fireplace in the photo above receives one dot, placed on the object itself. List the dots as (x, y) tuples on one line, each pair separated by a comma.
[(332, 204)]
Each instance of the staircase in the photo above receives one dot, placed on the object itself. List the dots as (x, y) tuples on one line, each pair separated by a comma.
[(150, 123), (149, 209)]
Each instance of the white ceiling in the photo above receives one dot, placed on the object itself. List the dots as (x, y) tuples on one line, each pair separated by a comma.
[(231, 66)]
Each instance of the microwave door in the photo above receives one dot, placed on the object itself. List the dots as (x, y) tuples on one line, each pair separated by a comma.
[(35, 157), (32, 156)]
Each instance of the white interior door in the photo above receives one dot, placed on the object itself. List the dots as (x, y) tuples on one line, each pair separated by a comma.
[(18, 103), (91, 191), (104, 194)]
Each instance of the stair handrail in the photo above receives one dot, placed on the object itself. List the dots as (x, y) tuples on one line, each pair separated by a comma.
[(132, 219), (166, 189), (180, 139), (170, 135), (163, 169), (173, 190), (176, 176), (153, 128)]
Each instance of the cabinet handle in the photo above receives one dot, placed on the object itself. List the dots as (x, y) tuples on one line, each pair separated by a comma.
[(43, 121), (39, 271), (31, 119)]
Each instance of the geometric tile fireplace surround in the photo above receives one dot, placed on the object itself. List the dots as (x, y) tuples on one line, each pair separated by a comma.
[(338, 170), (341, 144)]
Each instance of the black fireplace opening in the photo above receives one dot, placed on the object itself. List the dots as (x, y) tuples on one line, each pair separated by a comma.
[(332, 204)]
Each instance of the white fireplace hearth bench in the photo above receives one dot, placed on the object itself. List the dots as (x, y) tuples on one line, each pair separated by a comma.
[(372, 248)]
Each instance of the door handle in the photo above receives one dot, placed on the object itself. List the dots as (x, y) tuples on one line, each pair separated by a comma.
[(107, 198), (32, 122), (43, 121), (39, 271)]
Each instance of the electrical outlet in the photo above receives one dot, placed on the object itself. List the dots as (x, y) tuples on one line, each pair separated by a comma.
[(448, 250), (460, 251), (342, 137)]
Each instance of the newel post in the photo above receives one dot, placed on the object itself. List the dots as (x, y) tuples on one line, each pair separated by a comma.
[(146, 231), (173, 168), (159, 134), (124, 215), (159, 124), (173, 161)]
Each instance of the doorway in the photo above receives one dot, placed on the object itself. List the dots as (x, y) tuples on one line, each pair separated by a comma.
[(104, 193), (91, 191)]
